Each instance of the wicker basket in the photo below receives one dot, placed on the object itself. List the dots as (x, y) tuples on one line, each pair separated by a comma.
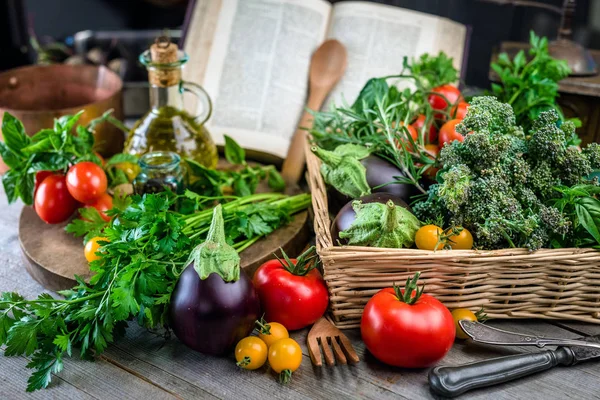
[(508, 283)]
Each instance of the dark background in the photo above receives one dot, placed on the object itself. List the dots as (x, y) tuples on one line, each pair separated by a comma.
[(491, 23)]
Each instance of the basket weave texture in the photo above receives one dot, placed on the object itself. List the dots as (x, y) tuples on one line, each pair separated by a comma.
[(507, 283)]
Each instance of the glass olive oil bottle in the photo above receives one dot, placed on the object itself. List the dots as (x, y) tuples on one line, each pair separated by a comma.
[(167, 126)]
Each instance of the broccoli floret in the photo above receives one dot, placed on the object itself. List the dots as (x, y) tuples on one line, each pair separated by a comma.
[(487, 114), (592, 152)]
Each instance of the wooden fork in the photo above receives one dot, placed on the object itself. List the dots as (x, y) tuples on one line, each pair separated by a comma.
[(325, 334)]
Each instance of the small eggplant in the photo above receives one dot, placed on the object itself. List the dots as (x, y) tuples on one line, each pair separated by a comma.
[(346, 216), (214, 303), (380, 172)]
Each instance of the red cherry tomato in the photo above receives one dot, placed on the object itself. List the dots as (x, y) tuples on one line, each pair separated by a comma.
[(53, 203), (420, 122), (103, 204), (446, 95), (448, 132), (39, 177), (86, 181), (290, 295), (459, 111), (407, 335)]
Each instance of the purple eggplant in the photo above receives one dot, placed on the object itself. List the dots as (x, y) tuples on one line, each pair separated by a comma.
[(380, 172), (214, 303), (346, 216)]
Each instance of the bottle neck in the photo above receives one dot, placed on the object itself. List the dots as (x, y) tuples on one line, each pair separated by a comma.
[(165, 97)]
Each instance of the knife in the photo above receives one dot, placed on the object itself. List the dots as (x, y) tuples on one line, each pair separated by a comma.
[(453, 381)]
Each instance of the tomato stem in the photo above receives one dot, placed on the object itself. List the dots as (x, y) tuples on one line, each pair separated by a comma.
[(409, 289), (244, 362), (262, 326), (285, 376), (300, 268)]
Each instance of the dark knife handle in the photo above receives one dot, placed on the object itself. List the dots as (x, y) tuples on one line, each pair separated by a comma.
[(452, 381)]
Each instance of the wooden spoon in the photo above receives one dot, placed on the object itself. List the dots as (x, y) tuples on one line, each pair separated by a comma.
[(327, 66)]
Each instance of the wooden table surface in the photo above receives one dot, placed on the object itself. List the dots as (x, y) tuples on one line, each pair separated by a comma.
[(144, 366)]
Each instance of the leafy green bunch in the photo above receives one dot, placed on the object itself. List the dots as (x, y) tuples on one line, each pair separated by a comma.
[(501, 184), (530, 84), (242, 180), (48, 150), (146, 247)]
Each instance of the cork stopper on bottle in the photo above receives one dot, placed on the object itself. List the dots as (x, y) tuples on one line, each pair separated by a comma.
[(164, 52)]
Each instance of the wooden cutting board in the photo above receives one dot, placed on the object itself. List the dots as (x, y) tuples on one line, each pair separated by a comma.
[(52, 256)]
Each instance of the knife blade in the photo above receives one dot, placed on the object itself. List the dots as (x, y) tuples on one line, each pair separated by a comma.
[(453, 381), (486, 334)]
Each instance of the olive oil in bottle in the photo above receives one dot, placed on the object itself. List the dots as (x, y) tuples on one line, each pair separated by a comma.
[(167, 126)]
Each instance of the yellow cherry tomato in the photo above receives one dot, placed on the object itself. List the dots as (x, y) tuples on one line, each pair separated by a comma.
[(92, 247), (276, 332), (131, 170), (251, 353), (460, 314), (427, 238), (285, 357), (462, 241)]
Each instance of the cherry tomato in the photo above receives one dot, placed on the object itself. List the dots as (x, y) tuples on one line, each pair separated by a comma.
[(251, 353), (86, 181), (289, 294), (420, 123), (102, 160), (412, 131), (131, 170), (103, 204), (405, 330), (459, 111), (432, 149), (427, 238), (52, 201), (285, 357), (91, 248), (446, 95), (462, 241), (39, 177), (276, 332), (448, 133), (460, 314)]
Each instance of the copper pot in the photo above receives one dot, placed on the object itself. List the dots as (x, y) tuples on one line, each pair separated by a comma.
[(38, 94)]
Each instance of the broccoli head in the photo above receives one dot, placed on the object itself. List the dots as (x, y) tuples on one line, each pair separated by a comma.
[(498, 182)]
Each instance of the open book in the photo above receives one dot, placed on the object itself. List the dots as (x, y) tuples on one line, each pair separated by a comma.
[(252, 56)]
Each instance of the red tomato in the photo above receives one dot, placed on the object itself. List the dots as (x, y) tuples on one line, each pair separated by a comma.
[(448, 132), (53, 203), (412, 131), (420, 122), (448, 94), (459, 110), (289, 294), (86, 181), (407, 335), (39, 177), (103, 204)]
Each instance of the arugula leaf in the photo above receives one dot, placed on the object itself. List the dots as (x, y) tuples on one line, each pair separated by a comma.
[(234, 153)]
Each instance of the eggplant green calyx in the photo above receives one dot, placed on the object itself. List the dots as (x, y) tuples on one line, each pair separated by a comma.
[(381, 225), (412, 292), (343, 170), (215, 255), (303, 263)]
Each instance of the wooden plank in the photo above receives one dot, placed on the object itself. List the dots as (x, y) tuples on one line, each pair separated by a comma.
[(222, 378), (157, 376), (13, 379)]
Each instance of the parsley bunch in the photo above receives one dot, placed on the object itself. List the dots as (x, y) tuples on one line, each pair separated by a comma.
[(147, 246)]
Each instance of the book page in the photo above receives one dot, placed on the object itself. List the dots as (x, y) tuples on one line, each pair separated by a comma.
[(378, 37), (257, 71)]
